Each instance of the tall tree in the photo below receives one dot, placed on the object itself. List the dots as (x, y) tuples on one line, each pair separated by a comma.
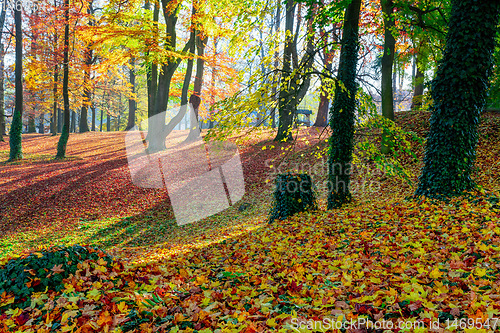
[(195, 98), (156, 132), (88, 59), (132, 104), (324, 98), (63, 139), (294, 78), (185, 85), (276, 76), (2, 62), (418, 88), (387, 69), (285, 112), (459, 93), (342, 111), (16, 128), (152, 73)]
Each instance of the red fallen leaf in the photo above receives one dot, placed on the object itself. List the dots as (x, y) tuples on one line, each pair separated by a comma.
[(363, 308), (413, 306), (161, 292), (342, 305), (22, 318), (293, 287), (250, 329), (57, 269), (196, 290), (455, 312)]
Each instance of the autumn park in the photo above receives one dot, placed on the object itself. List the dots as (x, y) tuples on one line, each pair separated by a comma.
[(249, 166)]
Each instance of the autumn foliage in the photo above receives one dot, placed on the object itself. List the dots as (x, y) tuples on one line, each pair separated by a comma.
[(380, 258)]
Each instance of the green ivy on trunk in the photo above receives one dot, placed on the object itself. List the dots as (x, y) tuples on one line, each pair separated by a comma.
[(459, 92), (342, 112)]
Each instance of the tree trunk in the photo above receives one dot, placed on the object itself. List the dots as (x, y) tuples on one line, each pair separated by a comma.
[(459, 92), (212, 87), (16, 127), (322, 116), (101, 119), (31, 122), (187, 79), (41, 125), (153, 79), (387, 78), (294, 83), (73, 122), (152, 73), (418, 90), (285, 112), (108, 122), (60, 120), (157, 128), (2, 76), (276, 75), (195, 98), (54, 120), (2, 89), (63, 139), (343, 112), (132, 104), (93, 117), (156, 137), (84, 124)]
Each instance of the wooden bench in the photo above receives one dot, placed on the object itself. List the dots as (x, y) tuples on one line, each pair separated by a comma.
[(307, 113)]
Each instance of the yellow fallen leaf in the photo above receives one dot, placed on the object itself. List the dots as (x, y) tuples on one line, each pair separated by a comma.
[(271, 322), (435, 273)]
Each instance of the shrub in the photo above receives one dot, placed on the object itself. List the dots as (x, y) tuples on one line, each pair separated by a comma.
[(40, 270), (293, 194)]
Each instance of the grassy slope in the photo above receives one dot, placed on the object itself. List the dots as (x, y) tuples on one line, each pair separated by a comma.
[(381, 257)]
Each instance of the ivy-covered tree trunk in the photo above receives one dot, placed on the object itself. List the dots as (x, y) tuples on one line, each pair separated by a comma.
[(63, 139), (16, 127), (459, 92), (387, 73), (342, 112)]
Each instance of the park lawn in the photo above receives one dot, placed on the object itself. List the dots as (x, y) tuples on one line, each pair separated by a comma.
[(383, 257)]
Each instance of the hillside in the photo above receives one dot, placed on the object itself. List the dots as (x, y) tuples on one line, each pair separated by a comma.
[(382, 258)]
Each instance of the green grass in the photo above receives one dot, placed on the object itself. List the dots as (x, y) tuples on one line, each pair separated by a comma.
[(132, 233), (32, 158)]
